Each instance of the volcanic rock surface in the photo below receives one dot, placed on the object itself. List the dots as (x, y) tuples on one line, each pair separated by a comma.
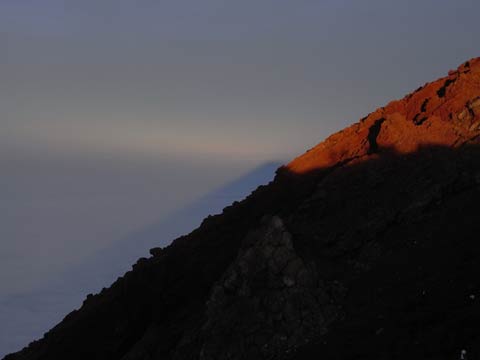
[(365, 247)]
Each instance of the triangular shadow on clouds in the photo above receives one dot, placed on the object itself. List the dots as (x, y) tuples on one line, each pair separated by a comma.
[(27, 316)]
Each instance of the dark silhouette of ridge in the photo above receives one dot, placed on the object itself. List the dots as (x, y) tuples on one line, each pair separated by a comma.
[(364, 247), (68, 289), (123, 253)]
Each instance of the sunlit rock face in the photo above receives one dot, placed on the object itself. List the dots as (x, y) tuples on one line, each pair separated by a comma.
[(364, 247), (445, 112)]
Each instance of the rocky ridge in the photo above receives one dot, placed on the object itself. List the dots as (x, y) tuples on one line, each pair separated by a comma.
[(363, 247)]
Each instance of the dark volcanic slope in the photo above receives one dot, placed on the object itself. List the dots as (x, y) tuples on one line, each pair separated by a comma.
[(365, 247)]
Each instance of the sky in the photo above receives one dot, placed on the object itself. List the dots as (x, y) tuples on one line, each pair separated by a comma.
[(116, 115)]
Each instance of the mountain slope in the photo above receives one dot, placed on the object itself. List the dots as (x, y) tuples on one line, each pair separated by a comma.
[(363, 247), (67, 290)]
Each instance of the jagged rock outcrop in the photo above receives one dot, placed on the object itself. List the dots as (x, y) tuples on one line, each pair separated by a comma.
[(268, 302), (363, 247), (444, 112)]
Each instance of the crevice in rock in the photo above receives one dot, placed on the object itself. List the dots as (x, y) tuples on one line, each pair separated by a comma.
[(423, 108), (373, 132), (419, 121), (442, 91)]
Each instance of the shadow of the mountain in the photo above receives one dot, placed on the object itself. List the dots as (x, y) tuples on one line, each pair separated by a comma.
[(28, 315), (119, 258)]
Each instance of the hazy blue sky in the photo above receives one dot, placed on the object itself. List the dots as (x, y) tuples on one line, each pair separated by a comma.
[(116, 114)]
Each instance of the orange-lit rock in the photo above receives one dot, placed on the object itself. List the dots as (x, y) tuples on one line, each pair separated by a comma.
[(444, 112)]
